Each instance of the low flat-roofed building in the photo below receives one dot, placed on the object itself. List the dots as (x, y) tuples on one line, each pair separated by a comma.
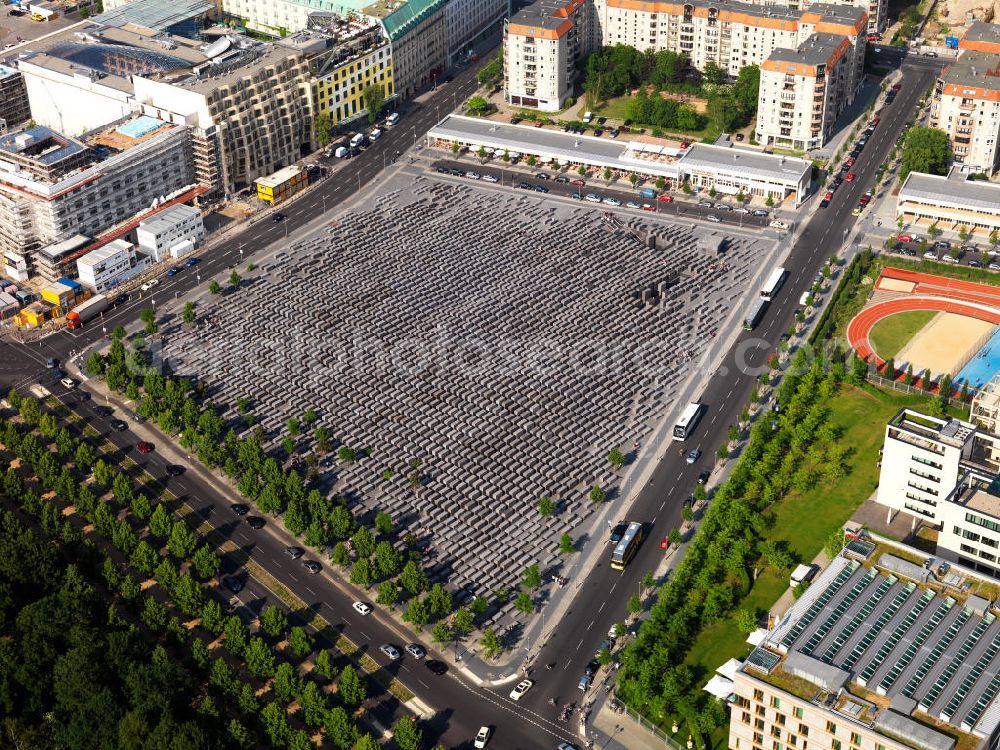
[(733, 170), (49, 260), (185, 18), (951, 202), (107, 266), (169, 227), (869, 659), (281, 185), (730, 170)]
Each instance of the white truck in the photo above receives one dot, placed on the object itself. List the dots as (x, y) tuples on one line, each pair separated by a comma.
[(802, 574), (357, 140)]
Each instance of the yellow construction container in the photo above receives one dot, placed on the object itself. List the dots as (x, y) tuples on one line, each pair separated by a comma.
[(35, 314), (281, 185)]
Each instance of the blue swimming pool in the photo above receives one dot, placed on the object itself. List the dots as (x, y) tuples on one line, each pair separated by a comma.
[(984, 364)]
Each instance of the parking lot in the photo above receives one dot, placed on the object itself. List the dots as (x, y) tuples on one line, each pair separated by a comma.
[(15, 29)]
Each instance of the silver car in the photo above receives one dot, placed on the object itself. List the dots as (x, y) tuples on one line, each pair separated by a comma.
[(612, 201)]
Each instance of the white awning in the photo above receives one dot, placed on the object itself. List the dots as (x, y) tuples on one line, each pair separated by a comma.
[(720, 687)]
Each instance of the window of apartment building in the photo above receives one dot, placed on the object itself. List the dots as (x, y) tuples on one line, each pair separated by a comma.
[(793, 740), (779, 719), (988, 556), (855, 738), (761, 711), (967, 548), (777, 746), (776, 732), (835, 744), (983, 522), (758, 695), (758, 724), (831, 727), (758, 738), (803, 730), (988, 541), (798, 712), (775, 702), (745, 717)]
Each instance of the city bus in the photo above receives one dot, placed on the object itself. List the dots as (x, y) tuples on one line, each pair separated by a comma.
[(626, 548), (773, 284), (690, 417), (755, 314)]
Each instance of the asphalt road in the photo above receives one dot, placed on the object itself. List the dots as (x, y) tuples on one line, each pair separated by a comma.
[(461, 708), (676, 208), (602, 601)]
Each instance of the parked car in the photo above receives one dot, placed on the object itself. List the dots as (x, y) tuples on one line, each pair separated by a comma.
[(232, 583), (416, 650), (361, 608), (312, 566), (255, 522), (192, 262), (174, 470), (592, 198), (278, 217), (585, 681), (68, 382), (174, 270), (850, 177), (435, 666), (617, 533), (149, 285), (665, 198), (143, 447), (240, 509), (294, 552), (693, 455), (930, 255), (904, 237), (612, 201), (713, 218), (942, 245)]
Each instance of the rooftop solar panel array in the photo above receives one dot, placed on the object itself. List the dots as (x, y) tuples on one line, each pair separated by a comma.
[(897, 638)]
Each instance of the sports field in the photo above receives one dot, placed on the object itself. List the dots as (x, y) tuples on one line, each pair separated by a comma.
[(893, 332), (946, 343)]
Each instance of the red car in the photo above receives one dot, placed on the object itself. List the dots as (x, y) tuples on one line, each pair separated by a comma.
[(685, 144), (850, 161), (665, 198), (875, 120), (664, 543), (828, 196), (577, 181), (647, 207), (904, 237), (897, 87), (850, 177), (143, 447)]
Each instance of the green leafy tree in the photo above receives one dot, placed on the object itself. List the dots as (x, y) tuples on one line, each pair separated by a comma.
[(339, 555), (713, 74), (616, 458), (464, 621), (531, 578), (300, 641), (441, 633), (388, 593), (416, 613), (212, 618), (439, 601), (259, 658), (350, 688), (566, 544), (745, 620), (597, 495), (205, 562), (478, 106), (214, 287), (925, 150), (523, 602), (235, 279), (373, 97), (634, 604), (490, 643), (237, 635), (286, 684), (188, 316), (340, 729), (148, 316), (325, 128), (275, 722), (361, 573), (364, 542), (546, 507), (383, 523), (182, 540), (273, 621), (160, 525), (413, 578), (144, 558), (323, 665), (406, 734)]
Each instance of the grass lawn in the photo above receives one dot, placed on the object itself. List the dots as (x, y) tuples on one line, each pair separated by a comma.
[(805, 521), (891, 334)]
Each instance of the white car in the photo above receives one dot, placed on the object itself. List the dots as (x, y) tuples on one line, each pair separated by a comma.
[(949, 258), (612, 201), (490, 178), (149, 285), (361, 608), (713, 218), (482, 738), (391, 651), (520, 689), (416, 650), (592, 198), (930, 255), (68, 382), (723, 207), (632, 204), (741, 210), (613, 631), (779, 224)]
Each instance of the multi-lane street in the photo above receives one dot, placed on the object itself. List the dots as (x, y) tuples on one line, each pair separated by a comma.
[(460, 707)]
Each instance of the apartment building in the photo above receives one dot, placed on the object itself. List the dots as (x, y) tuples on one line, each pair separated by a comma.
[(966, 105), (53, 187), (879, 653), (803, 91), (921, 460), (104, 268), (168, 229), (542, 45), (14, 109), (346, 55), (731, 35)]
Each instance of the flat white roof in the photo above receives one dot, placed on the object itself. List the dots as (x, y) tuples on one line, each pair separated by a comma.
[(951, 192), (551, 144), (168, 217), (104, 252), (770, 167), (279, 177)]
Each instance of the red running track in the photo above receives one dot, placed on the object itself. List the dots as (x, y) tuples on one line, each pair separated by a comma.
[(861, 325), (932, 283)]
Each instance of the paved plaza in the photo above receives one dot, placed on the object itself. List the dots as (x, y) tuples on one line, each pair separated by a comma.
[(504, 340)]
